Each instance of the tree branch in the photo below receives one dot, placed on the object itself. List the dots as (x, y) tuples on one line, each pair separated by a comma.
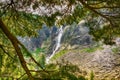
[(106, 7), (29, 54), (38, 71), (14, 40), (92, 9), (96, 3), (6, 52), (21, 76)]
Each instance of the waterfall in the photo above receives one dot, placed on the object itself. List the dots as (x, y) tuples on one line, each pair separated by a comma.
[(57, 45)]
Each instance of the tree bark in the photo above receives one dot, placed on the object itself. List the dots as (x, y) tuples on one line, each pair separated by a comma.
[(14, 42)]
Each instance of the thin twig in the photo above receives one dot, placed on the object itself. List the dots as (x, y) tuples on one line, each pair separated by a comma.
[(105, 7), (41, 71), (29, 54), (6, 52), (21, 76), (96, 3), (92, 9), (6, 46)]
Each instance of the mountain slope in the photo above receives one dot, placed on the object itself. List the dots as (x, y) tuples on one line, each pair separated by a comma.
[(104, 63)]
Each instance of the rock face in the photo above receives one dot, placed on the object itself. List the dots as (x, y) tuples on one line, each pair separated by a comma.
[(104, 63), (31, 43), (75, 34), (53, 36)]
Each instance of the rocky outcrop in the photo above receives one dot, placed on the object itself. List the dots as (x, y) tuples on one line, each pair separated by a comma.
[(104, 63), (76, 35)]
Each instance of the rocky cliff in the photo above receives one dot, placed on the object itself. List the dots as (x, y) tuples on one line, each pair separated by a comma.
[(73, 35)]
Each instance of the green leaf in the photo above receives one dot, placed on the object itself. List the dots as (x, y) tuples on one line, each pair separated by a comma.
[(42, 60)]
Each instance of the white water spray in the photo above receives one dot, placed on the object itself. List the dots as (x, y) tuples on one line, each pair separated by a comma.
[(57, 45)]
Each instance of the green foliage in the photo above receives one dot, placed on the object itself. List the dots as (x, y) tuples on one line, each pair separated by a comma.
[(78, 14), (91, 49), (24, 23), (64, 71), (103, 31), (91, 75), (116, 50), (1, 60), (39, 50), (39, 56), (59, 54), (82, 78), (42, 60), (10, 67)]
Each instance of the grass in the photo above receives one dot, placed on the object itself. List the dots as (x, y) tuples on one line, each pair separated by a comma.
[(59, 54), (84, 50), (91, 49)]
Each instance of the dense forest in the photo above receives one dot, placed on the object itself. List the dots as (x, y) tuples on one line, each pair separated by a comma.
[(59, 40)]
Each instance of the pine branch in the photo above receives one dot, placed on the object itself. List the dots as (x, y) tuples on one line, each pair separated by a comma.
[(1, 46), (21, 76), (93, 10), (110, 7), (14, 40), (29, 54), (96, 3), (38, 71)]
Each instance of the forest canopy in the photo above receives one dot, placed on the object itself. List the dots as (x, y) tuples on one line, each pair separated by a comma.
[(26, 17)]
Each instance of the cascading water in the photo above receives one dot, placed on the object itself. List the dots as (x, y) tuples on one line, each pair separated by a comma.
[(57, 45)]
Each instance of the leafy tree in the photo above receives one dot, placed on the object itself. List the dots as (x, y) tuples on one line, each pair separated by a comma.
[(25, 17)]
